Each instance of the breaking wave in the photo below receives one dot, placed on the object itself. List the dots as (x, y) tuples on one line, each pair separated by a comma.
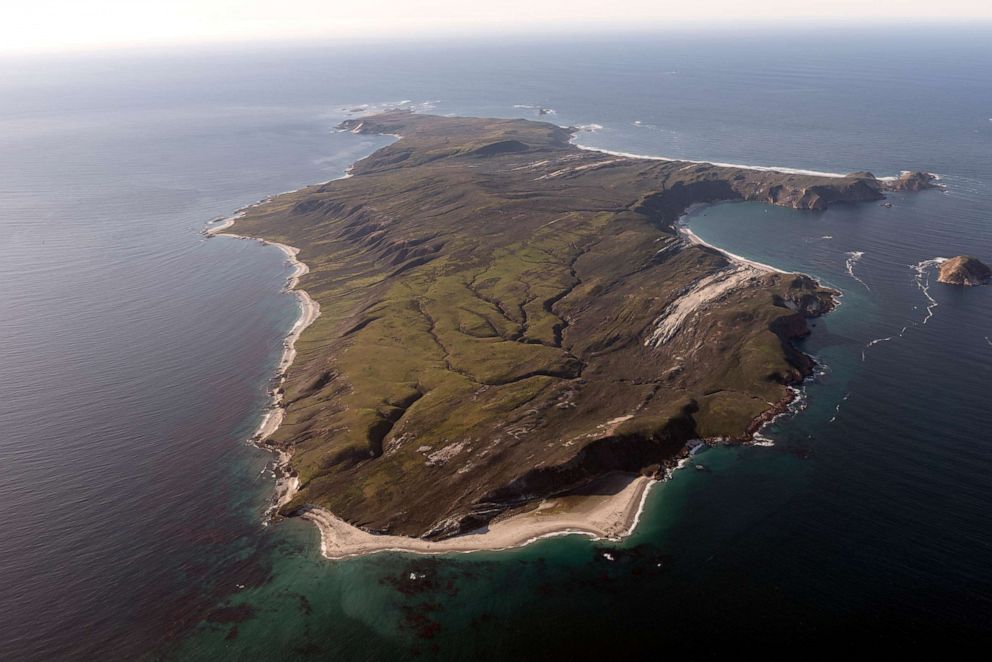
[(383, 106), (799, 402), (923, 270), (837, 408), (541, 110), (872, 343), (876, 341), (853, 257)]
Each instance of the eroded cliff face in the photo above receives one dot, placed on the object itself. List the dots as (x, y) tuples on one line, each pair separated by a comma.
[(506, 316)]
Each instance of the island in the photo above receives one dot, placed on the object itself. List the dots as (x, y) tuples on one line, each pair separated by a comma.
[(514, 337), (964, 270)]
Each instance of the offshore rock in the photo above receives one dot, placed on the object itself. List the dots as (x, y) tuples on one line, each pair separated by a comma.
[(964, 270)]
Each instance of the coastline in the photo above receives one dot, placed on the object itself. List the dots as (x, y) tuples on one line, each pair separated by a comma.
[(286, 482), (742, 166), (795, 400), (694, 239), (610, 517), (682, 227)]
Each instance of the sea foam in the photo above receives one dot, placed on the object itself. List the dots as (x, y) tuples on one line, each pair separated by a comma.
[(853, 257), (923, 270)]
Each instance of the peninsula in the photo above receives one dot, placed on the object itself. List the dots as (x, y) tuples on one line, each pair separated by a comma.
[(510, 324)]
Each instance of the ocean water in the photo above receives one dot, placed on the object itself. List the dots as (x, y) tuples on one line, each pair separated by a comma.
[(135, 357)]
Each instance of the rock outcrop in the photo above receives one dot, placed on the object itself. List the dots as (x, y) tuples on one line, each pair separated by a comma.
[(964, 270), (911, 181)]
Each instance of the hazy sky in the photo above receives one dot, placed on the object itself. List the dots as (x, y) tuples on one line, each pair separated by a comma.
[(46, 25)]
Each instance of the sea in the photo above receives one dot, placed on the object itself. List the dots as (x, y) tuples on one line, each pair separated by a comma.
[(136, 355)]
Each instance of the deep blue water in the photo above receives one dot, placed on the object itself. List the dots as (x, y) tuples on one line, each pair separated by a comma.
[(135, 356)]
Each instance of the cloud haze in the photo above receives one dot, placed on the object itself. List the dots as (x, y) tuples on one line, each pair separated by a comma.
[(39, 25)]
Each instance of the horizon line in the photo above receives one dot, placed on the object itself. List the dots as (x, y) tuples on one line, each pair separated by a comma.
[(483, 34)]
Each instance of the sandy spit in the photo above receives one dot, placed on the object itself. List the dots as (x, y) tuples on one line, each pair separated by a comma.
[(693, 238)]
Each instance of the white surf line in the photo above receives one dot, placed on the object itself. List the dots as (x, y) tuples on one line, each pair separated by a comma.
[(593, 128), (872, 343), (527, 106), (988, 341), (901, 333), (922, 277), (853, 257), (837, 408), (799, 402)]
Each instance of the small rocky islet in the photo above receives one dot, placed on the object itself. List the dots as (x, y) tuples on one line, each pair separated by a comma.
[(964, 270)]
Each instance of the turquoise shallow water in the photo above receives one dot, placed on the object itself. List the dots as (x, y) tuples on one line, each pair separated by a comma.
[(136, 355)]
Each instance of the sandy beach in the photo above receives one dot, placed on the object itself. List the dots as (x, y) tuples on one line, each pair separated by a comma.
[(742, 166), (608, 509), (693, 238)]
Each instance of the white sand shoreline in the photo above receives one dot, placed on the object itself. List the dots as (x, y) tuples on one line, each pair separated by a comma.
[(693, 238), (610, 517), (742, 166), (682, 227), (601, 517)]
